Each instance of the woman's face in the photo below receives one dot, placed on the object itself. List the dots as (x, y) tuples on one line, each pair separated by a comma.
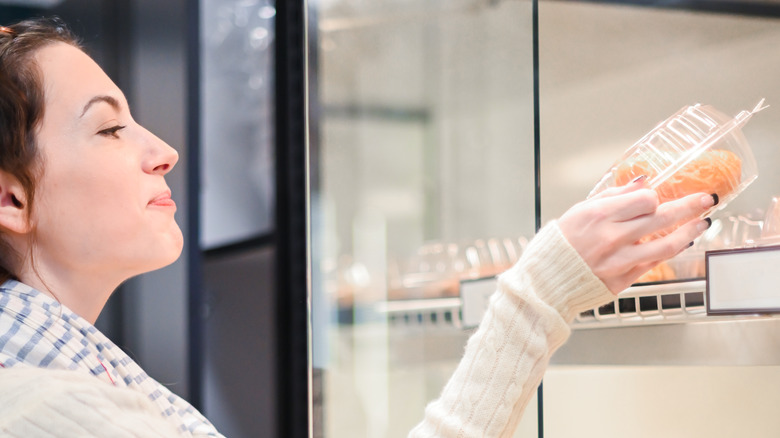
[(102, 205)]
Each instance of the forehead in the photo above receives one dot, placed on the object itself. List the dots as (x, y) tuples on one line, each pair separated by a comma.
[(71, 78)]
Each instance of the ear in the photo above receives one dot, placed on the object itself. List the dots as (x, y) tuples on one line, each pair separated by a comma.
[(13, 205)]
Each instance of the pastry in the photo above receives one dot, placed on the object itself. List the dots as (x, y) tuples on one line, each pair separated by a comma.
[(713, 171)]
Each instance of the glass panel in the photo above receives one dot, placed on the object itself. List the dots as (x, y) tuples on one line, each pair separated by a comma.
[(610, 73), (422, 176), (237, 90)]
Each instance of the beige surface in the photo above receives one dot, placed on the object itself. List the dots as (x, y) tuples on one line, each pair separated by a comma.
[(670, 402)]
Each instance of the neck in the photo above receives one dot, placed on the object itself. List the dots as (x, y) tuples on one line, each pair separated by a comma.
[(85, 293)]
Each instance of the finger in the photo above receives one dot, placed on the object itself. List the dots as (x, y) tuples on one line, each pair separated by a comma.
[(663, 248), (672, 213), (638, 183), (623, 281), (631, 205), (694, 230)]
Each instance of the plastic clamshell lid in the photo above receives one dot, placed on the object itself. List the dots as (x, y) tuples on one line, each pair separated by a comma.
[(697, 149)]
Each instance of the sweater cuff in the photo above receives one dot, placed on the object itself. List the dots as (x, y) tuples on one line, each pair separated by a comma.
[(557, 274)]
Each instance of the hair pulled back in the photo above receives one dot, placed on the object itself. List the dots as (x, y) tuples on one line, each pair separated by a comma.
[(22, 107)]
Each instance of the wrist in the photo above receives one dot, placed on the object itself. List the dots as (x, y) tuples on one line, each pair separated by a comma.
[(557, 275)]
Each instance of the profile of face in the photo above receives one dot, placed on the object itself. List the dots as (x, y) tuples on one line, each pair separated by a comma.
[(102, 205)]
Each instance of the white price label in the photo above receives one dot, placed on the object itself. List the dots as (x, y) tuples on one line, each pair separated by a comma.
[(474, 298), (743, 280)]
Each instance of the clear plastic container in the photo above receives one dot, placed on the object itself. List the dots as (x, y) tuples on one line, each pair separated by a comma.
[(698, 149), (771, 225)]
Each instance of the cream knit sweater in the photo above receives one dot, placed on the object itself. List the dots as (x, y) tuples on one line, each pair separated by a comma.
[(526, 321), (505, 359)]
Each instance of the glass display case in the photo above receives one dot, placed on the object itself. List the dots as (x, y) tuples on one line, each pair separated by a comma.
[(442, 133)]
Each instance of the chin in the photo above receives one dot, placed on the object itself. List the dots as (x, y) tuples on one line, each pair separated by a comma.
[(177, 244), (166, 253)]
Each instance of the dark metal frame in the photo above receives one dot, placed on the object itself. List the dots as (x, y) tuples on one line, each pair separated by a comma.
[(250, 243), (751, 8), (537, 176), (291, 222), (194, 253)]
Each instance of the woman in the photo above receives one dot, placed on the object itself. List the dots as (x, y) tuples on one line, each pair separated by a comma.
[(84, 206)]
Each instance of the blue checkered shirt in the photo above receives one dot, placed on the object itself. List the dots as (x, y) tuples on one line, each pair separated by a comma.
[(36, 330)]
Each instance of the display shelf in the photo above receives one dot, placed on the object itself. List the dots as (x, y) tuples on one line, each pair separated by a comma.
[(643, 305)]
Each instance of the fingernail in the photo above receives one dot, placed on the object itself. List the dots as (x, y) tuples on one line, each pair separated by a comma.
[(715, 199), (704, 225), (709, 201), (690, 244), (639, 178)]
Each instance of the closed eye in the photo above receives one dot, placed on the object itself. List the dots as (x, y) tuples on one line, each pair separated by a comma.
[(112, 131)]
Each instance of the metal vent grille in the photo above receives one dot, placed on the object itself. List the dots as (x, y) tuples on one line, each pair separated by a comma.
[(651, 304), (440, 312)]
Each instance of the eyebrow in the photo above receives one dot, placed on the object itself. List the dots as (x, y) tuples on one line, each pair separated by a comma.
[(107, 99)]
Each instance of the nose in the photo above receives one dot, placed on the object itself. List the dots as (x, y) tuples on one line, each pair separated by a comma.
[(160, 157)]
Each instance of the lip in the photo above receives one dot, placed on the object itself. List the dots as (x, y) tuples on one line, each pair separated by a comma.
[(163, 200)]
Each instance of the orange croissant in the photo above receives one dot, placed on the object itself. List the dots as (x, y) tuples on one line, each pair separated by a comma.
[(714, 171)]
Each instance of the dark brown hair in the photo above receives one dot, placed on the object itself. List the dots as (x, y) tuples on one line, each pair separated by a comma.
[(22, 107)]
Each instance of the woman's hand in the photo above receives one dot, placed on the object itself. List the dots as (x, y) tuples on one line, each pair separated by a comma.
[(607, 230)]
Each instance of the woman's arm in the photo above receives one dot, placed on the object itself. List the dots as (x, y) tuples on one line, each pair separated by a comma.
[(506, 358), (575, 264)]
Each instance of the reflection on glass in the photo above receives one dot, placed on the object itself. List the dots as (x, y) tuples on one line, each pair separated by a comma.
[(237, 120)]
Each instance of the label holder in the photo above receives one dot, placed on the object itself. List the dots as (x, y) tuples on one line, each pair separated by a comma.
[(743, 281)]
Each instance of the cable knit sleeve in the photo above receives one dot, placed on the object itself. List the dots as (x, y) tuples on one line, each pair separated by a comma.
[(526, 321), (45, 403)]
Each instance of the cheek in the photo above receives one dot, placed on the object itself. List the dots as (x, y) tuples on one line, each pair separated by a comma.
[(80, 225), (89, 204), (96, 202)]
